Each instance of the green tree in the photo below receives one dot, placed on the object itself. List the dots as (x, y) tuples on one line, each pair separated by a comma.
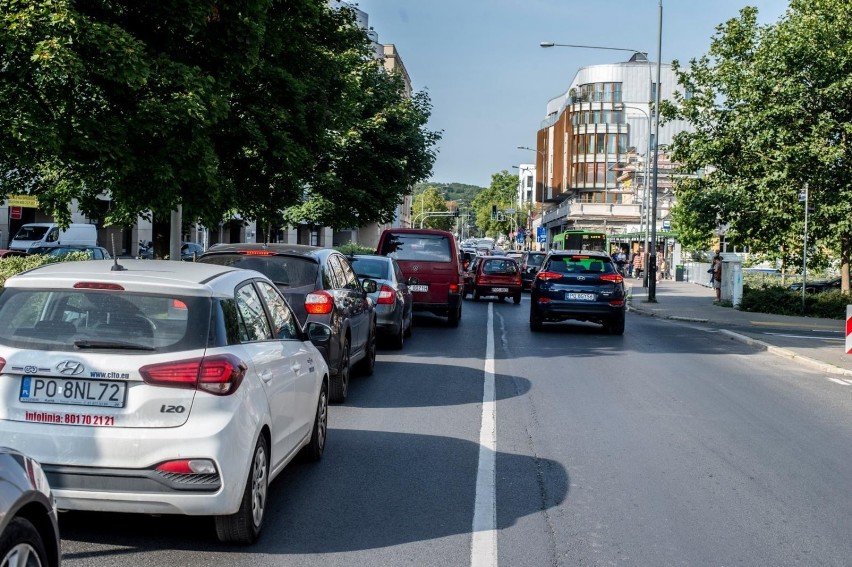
[(771, 112), (502, 194), (432, 201)]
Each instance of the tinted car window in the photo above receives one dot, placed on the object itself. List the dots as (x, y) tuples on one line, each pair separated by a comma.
[(419, 247), (283, 323), (371, 268), (498, 266), (282, 270), (253, 323), (350, 280), (56, 320), (338, 280), (535, 260), (583, 264)]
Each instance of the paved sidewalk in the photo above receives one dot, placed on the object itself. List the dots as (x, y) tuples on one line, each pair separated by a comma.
[(815, 342)]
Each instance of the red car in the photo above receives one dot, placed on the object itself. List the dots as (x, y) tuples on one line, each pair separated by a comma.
[(10, 253), (497, 276)]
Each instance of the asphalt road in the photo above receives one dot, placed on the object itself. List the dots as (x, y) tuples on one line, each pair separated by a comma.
[(671, 445)]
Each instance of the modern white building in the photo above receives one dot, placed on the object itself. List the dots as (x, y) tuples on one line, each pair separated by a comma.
[(599, 128)]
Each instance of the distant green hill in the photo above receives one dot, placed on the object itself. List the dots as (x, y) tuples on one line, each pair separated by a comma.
[(452, 191)]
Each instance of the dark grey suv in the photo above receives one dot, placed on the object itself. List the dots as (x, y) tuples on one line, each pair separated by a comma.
[(580, 285), (320, 285)]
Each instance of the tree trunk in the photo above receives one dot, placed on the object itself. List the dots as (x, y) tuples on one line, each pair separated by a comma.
[(845, 251)]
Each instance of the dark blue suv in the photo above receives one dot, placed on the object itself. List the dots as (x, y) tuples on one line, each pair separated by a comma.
[(580, 285)]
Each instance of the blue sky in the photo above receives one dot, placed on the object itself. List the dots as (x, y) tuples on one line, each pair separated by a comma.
[(488, 79)]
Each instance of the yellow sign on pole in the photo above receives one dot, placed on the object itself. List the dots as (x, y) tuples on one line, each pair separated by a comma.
[(30, 201)]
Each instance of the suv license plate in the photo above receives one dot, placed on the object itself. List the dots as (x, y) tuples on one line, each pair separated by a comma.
[(500, 289), (108, 394), (580, 296), (418, 287)]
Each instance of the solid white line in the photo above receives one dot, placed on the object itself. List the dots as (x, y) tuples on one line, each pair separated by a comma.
[(841, 382), (483, 549)]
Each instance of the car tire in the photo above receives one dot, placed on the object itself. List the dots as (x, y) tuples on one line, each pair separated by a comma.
[(367, 364), (616, 325), (244, 526), (316, 446), (410, 325), (476, 295), (517, 298), (454, 317), (535, 323), (397, 341), (21, 542), (340, 381)]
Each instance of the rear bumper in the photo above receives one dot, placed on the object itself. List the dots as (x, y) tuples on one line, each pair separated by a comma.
[(488, 290), (442, 309), (563, 310)]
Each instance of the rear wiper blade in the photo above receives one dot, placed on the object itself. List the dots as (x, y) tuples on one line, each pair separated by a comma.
[(110, 344)]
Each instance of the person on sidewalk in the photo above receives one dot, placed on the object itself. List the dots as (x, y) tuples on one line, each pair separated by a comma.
[(662, 269), (638, 263), (717, 276)]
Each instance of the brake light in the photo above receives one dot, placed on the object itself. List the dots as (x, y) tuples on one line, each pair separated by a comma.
[(319, 303), (454, 288), (98, 285), (545, 276), (386, 296), (544, 300), (2, 364), (178, 304), (617, 302), (257, 253), (220, 374), (614, 278)]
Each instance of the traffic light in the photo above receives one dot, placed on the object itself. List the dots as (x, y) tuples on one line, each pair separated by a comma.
[(493, 212)]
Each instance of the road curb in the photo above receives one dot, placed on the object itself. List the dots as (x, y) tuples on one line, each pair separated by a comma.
[(772, 349)]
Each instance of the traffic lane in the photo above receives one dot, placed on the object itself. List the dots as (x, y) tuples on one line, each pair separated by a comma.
[(396, 485), (680, 447)]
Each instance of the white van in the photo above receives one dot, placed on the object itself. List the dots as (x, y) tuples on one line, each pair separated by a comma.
[(49, 234)]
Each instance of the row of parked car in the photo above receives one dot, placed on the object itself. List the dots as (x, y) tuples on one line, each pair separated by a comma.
[(163, 387)]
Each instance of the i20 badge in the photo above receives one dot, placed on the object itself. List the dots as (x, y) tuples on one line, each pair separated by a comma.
[(70, 368)]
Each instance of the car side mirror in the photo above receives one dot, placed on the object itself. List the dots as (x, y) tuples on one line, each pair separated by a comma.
[(318, 333), (369, 286)]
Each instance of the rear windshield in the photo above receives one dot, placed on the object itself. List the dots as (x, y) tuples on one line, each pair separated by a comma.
[(31, 233), (376, 268), (497, 266), (535, 260), (284, 271), (419, 247), (580, 263), (74, 320)]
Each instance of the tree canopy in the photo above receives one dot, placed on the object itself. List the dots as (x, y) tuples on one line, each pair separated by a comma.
[(273, 110), (772, 115)]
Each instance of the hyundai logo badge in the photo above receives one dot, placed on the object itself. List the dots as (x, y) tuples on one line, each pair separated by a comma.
[(69, 367)]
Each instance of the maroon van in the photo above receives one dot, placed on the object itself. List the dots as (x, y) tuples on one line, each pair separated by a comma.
[(430, 261)]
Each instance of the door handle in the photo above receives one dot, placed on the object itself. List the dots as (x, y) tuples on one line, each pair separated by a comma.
[(266, 375), (296, 367)]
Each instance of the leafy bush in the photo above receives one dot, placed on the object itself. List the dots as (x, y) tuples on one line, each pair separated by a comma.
[(13, 265), (351, 248), (782, 301)]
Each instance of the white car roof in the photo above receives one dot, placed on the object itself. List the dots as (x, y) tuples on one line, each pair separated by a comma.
[(149, 276)]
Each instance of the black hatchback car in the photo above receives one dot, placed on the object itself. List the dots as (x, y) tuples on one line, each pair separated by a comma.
[(580, 285), (530, 263), (320, 285)]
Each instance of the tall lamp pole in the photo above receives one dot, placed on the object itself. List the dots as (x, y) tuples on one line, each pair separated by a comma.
[(652, 264), (651, 258)]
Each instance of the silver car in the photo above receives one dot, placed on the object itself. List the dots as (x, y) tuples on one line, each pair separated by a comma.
[(392, 297), (29, 532)]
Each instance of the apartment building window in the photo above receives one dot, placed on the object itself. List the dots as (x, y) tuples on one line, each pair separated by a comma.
[(599, 92)]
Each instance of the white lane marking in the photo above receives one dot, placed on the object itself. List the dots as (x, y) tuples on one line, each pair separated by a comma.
[(483, 549), (841, 382), (804, 337)]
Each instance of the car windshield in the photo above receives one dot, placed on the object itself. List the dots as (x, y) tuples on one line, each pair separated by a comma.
[(284, 271), (376, 268), (580, 264), (419, 247), (31, 233), (87, 319), (535, 260)]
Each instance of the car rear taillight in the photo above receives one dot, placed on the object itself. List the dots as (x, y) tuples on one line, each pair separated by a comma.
[(617, 302), (319, 303), (386, 296), (614, 278), (188, 466), (544, 300), (454, 288), (99, 286), (544, 276), (257, 252), (219, 374), (2, 364)]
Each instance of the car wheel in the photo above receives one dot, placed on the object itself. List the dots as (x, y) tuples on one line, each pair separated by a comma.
[(454, 317), (410, 325), (616, 325), (398, 340), (517, 298), (368, 363), (244, 526), (476, 295), (340, 381), (22, 545), (316, 446), (535, 323)]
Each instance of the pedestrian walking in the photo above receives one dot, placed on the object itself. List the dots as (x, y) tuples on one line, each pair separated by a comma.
[(638, 264), (662, 270)]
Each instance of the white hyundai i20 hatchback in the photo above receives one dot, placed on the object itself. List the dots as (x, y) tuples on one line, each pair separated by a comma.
[(160, 387)]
